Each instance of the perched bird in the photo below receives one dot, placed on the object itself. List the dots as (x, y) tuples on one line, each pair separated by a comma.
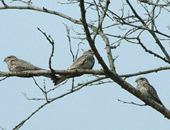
[(148, 90), (18, 65), (86, 61)]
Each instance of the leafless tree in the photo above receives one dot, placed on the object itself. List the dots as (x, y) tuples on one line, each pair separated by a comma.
[(133, 25)]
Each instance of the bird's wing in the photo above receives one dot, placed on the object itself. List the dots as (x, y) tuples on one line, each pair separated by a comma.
[(21, 65), (83, 62), (153, 93)]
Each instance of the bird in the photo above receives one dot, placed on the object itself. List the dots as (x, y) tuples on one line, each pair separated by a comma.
[(19, 65), (148, 90), (86, 61)]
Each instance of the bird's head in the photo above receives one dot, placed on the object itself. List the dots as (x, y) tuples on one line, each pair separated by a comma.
[(141, 79), (88, 52), (9, 58)]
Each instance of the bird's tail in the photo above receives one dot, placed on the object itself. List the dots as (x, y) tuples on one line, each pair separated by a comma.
[(158, 101), (58, 79)]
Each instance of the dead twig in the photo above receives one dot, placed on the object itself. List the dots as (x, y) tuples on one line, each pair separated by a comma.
[(42, 90), (3, 78), (51, 41), (131, 103)]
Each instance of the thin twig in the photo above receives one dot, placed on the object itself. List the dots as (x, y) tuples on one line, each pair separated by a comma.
[(151, 52), (35, 99), (69, 40), (150, 31), (29, 3), (3, 78), (43, 91), (50, 90), (131, 103), (54, 99), (51, 41)]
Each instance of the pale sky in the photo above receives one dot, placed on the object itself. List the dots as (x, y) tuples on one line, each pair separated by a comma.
[(91, 108)]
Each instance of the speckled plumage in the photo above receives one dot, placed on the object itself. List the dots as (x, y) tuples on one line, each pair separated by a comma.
[(18, 65), (86, 61), (148, 90)]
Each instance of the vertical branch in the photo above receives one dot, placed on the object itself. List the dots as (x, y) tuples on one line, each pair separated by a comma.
[(52, 53), (51, 41), (153, 16), (101, 33), (69, 40), (71, 51), (108, 49), (105, 38), (89, 39)]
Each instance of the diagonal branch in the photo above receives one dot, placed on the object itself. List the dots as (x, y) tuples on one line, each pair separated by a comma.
[(125, 85), (151, 32), (52, 100), (88, 37), (3, 2), (151, 52), (101, 33), (42, 90)]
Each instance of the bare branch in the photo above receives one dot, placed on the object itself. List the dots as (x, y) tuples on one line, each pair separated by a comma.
[(29, 2), (50, 101), (51, 41), (3, 2), (151, 52), (51, 90), (131, 103), (3, 78), (88, 37), (35, 99), (101, 33), (155, 4), (42, 90), (125, 85), (146, 72), (151, 32), (69, 40), (22, 122), (47, 72), (77, 72)]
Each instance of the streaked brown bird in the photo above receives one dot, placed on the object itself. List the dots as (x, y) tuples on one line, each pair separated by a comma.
[(19, 65), (86, 61), (148, 90)]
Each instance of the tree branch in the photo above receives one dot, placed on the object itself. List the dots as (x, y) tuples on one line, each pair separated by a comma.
[(151, 32), (52, 100), (151, 52), (76, 72), (131, 103), (88, 37), (51, 41), (125, 85)]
